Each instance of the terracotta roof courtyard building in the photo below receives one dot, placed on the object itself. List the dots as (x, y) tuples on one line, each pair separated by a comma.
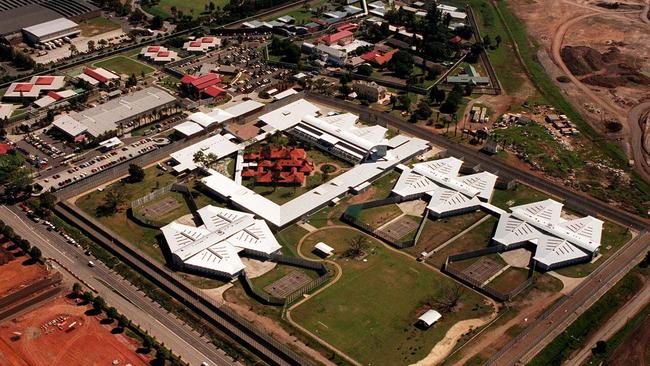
[(280, 165)]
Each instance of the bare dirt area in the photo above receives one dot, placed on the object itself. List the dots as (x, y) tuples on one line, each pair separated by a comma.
[(59, 333), (634, 349), (19, 273), (598, 50)]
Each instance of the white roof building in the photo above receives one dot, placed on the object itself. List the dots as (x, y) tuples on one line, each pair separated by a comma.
[(35, 86), (324, 248), (159, 54), (220, 145), (429, 318), (111, 143), (449, 193), (215, 246), (50, 30), (284, 94), (244, 108), (69, 125), (202, 44), (558, 241), (188, 128), (289, 115)]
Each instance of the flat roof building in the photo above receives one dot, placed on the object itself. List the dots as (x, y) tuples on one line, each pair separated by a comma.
[(202, 44), (17, 15), (51, 30), (219, 145), (106, 117), (215, 247), (35, 87), (158, 54)]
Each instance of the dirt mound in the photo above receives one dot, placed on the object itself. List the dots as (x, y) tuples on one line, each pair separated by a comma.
[(608, 70), (582, 60)]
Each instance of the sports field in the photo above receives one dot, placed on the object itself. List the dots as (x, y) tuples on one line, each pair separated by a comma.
[(60, 334), (370, 312), (124, 66)]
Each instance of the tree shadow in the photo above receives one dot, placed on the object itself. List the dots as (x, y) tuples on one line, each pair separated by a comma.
[(143, 350), (29, 262), (157, 362), (117, 330), (92, 312), (107, 321)]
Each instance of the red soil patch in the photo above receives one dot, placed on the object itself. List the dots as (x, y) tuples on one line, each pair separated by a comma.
[(27, 340), (15, 275), (634, 349)]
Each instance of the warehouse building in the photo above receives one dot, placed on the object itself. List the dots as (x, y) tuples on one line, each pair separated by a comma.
[(18, 15), (51, 30), (143, 106)]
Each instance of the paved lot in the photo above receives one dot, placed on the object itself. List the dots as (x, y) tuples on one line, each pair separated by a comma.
[(82, 170), (483, 269), (288, 284)]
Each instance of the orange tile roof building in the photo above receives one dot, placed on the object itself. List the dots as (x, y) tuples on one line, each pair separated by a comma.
[(280, 165)]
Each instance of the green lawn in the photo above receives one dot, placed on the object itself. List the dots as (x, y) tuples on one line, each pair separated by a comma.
[(509, 279), (378, 216), (477, 238), (519, 195), (289, 238), (370, 312), (125, 66), (144, 238), (187, 7), (98, 25), (436, 232)]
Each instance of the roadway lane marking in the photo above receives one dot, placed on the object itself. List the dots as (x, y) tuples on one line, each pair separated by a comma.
[(37, 235)]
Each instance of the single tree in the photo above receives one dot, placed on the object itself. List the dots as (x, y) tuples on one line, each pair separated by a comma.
[(99, 303), (76, 288), (35, 253), (448, 297), (73, 50), (136, 173), (113, 200), (357, 247), (91, 45)]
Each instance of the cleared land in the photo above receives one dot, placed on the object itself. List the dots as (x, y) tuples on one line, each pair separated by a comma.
[(98, 25), (370, 312), (378, 216), (29, 341), (124, 66), (509, 279), (436, 232), (18, 272), (477, 238)]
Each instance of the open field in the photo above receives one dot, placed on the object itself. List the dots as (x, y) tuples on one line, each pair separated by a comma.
[(436, 232), (509, 279), (124, 66), (378, 216), (98, 25), (370, 312), (79, 340), (519, 195), (477, 238), (19, 272), (187, 7), (630, 345), (145, 238)]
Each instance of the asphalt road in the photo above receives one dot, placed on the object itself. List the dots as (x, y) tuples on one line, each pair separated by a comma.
[(556, 319), (118, 292)]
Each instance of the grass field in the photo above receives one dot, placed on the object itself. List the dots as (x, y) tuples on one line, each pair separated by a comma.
[(477, 238), (125, 66), (436, 232), (378, 216), (509, 279), (519, 195), (370, 312), (289, 238), (187, 7), (144, 238), (98, 25)]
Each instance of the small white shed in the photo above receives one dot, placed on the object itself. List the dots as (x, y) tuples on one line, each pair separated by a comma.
[(429, 318), (324, 249)]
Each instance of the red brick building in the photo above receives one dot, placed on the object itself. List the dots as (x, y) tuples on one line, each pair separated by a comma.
[(280, 165)]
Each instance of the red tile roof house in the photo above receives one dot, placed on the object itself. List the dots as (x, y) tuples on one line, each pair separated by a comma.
[(377, 58), (283, 165), (342, 38)]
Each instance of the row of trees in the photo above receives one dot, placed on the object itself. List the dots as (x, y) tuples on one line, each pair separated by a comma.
[(15, 176), (19, 58), (24, 244), (163, 355)]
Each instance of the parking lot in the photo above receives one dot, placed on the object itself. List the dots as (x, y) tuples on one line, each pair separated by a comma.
[(96, 164), (44, 151)]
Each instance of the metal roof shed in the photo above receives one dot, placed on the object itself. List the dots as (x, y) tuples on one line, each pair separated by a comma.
[(429, 318), (324, 249)]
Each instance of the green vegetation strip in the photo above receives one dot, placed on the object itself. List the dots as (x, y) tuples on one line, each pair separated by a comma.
[(576, 334), (124, 65)]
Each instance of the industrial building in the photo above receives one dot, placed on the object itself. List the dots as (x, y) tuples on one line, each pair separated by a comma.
[(51, 30), (145, 105), (15, 16), (158, 54), (214, 248), (448, 193), (97, 75), (558, 241)]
